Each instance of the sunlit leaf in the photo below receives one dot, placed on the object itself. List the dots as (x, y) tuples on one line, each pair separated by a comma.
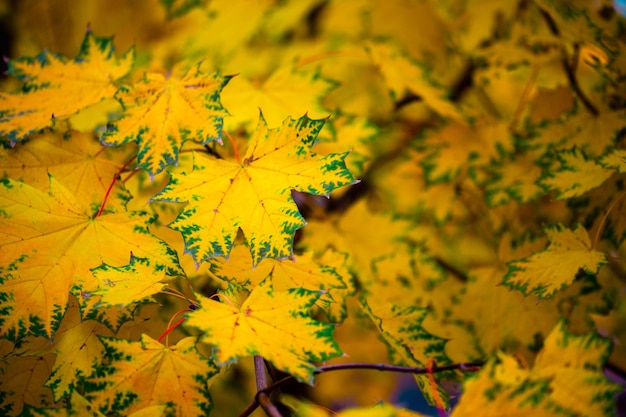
[(254, 194), (57, 87), (147, 373), (271, 323), (576, 175), (128, 284), (161, 113), (546, 272), (49, 243)]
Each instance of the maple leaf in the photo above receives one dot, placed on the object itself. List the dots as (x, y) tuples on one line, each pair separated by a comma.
[(515, 178), (615, 159), (285, 92), (509, 321), (77, 405), (154, 374), (49, 243), (402, 74), (75, 159), (302, 271), (567, 367), (345, 233), (23, 378), (273, 324), (409, 343), (554, 268), (254, 195), (458, 147), (127, 284), (161, 113), (57, 87), (576, 176), (78, 350)]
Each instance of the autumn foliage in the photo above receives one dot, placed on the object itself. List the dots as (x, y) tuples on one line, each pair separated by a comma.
[(206, 204)]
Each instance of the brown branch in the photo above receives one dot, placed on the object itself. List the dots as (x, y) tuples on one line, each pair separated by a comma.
[(568, 67), (263, 395)]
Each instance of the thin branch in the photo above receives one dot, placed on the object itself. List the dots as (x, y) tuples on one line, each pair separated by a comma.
[(616, 200), (466, 367), (259, 371), (270, 409), (262, 398), (570, 68)]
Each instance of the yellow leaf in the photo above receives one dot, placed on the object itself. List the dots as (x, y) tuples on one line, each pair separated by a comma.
[(345, 233), (301, 271), (553, 269), (254, 194), (49, 242), (78, 349), (354, 134), (516, 177), (574, 365), (458, 147), (76, 406), (402, 74), (285, 92), (75, 159), (409, 342), (56, 88), (127, 284), (147, 373), (161, 113), (273, 324), (615, 159), (576, 175)]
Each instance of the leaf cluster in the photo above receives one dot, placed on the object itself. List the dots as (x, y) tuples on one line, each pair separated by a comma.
[(265, 187)]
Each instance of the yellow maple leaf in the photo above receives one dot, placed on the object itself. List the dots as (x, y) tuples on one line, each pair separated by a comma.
[(576, 175), (302, 271), (161, 113), (409, 342), (128, 284), (345, 233), (78, 348), (457, 147), (402, 75), (155, 375), (77, 405), (254, 194), (546, 272), (516, 177), (615, 159), (49, 241), (56, 87), (273, 324), (287, 91), (75, 159)]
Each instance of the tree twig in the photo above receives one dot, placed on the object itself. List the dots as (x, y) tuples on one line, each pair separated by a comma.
[(262, 398), (263, 394)]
